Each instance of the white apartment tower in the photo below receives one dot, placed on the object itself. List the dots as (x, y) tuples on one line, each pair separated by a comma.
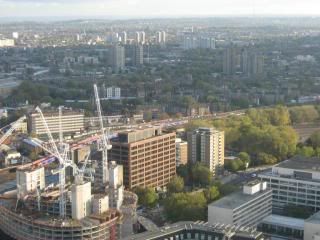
[(206, 145), (123, 37), (116, 187)]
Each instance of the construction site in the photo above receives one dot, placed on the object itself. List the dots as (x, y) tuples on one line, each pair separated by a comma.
[(72, 191)]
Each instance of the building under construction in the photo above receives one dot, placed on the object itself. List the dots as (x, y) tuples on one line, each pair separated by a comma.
[(70, 208)]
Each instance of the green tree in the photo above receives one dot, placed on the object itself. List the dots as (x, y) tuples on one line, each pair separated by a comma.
[(201, 174), (185, 206), (146, 196), (212, 193), (305, 151), (245, 158), (315, 139), (264, 158), (175, 185), (301, 114)]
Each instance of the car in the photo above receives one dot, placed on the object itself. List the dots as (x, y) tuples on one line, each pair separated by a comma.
[(253, 175)]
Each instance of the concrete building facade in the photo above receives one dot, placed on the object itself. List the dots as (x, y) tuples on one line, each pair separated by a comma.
[(148, 157), (206, 145), (72, 122), (295, 181), (244, 208), (117, 58), (181, 152)]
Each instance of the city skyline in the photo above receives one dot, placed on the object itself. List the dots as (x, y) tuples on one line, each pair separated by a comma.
[(154, 8)]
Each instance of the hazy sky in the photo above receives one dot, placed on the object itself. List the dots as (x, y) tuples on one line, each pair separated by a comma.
[(156, 8)]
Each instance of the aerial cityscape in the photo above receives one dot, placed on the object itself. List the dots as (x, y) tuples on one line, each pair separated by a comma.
[(159, 120)]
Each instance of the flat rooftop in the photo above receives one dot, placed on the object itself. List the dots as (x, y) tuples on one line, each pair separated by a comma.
[(315, 218), (301, 163), (164, 232), (236, 199), (288, 222)]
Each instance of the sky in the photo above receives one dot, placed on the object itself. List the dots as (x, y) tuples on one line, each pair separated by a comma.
[(155, 8)]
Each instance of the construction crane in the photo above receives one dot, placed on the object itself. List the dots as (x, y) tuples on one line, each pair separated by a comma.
[(79, 172), (14, 126), (61, 154), (104, 146)]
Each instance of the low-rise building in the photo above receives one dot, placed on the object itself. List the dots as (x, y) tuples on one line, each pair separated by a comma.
[(71, 121), (294, 182), (312, 227), (199, 230), (243, 208)]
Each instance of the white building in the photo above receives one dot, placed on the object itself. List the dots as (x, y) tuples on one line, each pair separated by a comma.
[(244, 208), (295, 181), (113, 93), (116, 187), (72, 122), (7, 43), (100, 204), (81, 200), (161, 37), (137, 37), (29, 180), (123, 37), (206, 145), (142, 37), (15, 35), (3, 113)]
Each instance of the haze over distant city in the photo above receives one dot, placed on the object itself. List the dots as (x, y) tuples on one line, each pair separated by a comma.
[(154, 8)]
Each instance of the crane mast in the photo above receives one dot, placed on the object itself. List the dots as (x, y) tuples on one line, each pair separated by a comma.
[(104, 139), (62, 156)]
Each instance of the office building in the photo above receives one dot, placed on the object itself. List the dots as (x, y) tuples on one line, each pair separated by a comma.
[(206, 145), (148, 157), (113, 93), (294, 182), (29, 179), (200, 231), (181, 152), (243, 208), (282, 226), (117, 58), (230, 60), (72, 122)]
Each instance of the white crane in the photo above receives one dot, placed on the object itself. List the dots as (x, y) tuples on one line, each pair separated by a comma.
[(105, 146), (14, 126), (62, 157)]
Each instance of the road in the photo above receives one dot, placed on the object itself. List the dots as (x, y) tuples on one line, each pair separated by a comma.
[(244, 176)]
